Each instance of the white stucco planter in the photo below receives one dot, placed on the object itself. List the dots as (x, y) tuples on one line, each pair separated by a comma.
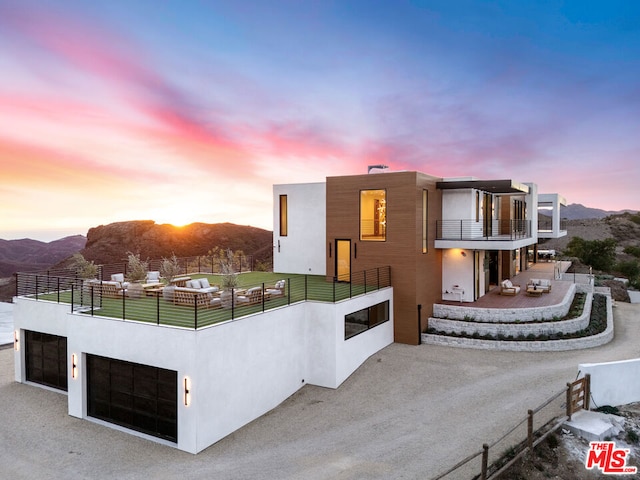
[(528, 346)]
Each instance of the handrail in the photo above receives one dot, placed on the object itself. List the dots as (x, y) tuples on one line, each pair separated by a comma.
[(493, 230), (192, 309)]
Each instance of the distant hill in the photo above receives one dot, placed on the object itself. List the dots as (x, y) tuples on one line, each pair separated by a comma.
[(577, 211), (28, 255), (110, 243)]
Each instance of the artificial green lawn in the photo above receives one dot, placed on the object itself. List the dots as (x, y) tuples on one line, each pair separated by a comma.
[(154, 309)]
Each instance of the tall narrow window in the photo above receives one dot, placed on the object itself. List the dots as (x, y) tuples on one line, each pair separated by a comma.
[(284, 217), (373, 215), (477, 205), (425, 219)]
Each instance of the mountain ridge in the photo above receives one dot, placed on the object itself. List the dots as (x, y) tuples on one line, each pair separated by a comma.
[(577, 211), (32, 255)]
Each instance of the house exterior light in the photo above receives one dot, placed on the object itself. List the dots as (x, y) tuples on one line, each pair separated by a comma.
[(74, 366), (187, 391)]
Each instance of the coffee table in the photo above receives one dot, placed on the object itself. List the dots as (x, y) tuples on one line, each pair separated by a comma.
[(534, 292)]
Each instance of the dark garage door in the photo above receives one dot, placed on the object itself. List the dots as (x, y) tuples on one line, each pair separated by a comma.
[(46, 359), (135, 396)]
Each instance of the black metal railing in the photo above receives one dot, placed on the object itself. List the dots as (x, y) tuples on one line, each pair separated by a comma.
[(188, 307), (188, 265), (482, 231)]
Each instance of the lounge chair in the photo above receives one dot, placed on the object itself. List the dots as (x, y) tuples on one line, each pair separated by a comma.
[(508, 288), (251, 297), (152, 280), (277, 290)]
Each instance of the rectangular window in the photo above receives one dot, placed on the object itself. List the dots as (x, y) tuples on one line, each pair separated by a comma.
[(477, 206), (363, 320), (425, 219), (284, 220), (373, 215)]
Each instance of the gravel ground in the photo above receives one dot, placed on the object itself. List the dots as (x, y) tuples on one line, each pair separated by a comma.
[(408, 412)]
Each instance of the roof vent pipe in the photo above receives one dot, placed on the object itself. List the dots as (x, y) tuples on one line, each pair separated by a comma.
[(371, 167)]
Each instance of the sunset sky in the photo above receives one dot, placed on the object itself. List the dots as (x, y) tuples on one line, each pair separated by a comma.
[(185, 111)]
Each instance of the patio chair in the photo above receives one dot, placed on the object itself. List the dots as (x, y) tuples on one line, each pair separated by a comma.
[(508, 288), (277, 290), (152, 280), (251, 297)]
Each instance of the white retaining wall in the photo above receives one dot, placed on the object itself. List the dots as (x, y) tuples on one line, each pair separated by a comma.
[(238, 370), (515, 329), (528, 346), (504, 315), (613, 383)]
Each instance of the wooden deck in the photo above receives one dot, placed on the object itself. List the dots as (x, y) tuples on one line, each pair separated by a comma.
[(493, 299)]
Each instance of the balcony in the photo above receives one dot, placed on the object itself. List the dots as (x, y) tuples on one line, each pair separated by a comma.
[(194, 311), (497, 234)]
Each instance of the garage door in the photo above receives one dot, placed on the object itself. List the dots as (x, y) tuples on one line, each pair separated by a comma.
[(46, 359), (135, 396)]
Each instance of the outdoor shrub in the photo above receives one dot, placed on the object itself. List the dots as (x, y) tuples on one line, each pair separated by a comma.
[(608, 409), (630, 269), (170, 268), (552, 441), (137, 269), (632, 250), (84, 267), (632, 437)]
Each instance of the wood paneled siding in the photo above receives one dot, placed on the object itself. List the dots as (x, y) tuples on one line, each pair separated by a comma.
[(416, 277)]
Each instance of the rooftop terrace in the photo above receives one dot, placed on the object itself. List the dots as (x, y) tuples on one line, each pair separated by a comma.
[(192, 312)]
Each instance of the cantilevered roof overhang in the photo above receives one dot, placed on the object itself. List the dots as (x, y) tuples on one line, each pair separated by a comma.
[(491, 186)]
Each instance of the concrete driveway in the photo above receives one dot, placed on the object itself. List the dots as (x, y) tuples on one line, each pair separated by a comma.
[(408, 412)]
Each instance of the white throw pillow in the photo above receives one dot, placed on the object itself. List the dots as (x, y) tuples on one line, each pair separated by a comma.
[(204, 283), (117, 277)]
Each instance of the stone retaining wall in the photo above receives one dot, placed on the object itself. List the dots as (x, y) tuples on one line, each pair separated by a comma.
[(504, 315), (515, 329), (528, 346)]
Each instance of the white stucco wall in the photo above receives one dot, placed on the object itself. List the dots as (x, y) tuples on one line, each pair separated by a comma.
[(531, 200), (303, 249), (614, 383), (331, 358), (457, 270), (238, 370), (458, 204)]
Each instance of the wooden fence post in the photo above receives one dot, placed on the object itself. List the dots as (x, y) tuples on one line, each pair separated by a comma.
[(530, 429), (587, 391), (569, 400), (485, 461)]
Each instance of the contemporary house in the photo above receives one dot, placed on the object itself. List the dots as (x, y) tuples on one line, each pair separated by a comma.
[(443, 238), (362, 260)]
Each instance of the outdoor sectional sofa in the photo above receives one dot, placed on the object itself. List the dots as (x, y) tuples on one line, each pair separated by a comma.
[(197, 292), (540, 284)]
